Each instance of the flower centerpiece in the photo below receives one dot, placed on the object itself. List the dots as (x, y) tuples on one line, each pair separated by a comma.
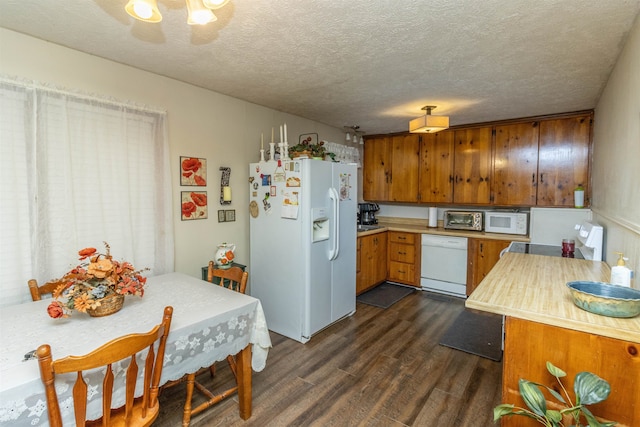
[(96, 286), (306, 147)]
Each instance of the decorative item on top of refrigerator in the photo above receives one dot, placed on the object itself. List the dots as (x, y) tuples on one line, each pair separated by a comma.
[(303, 243)]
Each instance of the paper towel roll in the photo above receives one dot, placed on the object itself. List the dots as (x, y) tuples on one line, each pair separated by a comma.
[(433, 217)]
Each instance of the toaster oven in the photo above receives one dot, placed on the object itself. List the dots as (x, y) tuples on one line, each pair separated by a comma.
[(463, 220)]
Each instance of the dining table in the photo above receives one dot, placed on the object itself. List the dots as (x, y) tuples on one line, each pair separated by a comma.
[(209, 323)]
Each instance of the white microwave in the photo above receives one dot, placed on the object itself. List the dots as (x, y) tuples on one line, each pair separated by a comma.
[(506, 222)]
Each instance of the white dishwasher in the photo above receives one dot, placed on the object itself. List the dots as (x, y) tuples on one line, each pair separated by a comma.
[(444, 264)]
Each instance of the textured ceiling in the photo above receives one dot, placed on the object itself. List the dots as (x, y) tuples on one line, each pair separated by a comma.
[(372, 63)]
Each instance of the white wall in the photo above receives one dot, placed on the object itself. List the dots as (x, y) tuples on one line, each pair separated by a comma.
[(616, 156), (201, 123)]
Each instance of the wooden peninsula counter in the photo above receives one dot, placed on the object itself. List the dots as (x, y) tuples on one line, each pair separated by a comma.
[(543, 324)]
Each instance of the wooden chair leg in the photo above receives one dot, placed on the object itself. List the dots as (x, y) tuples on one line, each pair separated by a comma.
[(186, 417), (243, 362)]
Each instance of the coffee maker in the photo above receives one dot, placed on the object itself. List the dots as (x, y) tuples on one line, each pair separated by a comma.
[(367, 213)]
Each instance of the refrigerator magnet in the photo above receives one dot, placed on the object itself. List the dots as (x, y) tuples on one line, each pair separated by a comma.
[(272, 191), (266, 204), (253, 209)]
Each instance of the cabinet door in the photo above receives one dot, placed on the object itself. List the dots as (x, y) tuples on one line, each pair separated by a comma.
[(373, 261), (482, 255), (358, 255), (472, 166), (405, 159), (376, 171), (380, 259), (436, 167), (364, 272), (529, 345), (515, 164), (563, 160)]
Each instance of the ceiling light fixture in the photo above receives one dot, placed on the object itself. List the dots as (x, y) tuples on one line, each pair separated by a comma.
[(428, 123), (356, 132), (200, 11)]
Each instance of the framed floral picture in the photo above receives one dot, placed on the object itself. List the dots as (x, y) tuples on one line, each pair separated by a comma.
[(193, 205), (193, 171)]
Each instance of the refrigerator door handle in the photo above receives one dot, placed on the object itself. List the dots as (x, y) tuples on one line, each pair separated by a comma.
[(335, 250)]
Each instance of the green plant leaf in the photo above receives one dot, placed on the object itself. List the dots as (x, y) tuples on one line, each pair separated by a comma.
[(556, 394), (532, 396), (554, 416), (591, 419), (555, 371), (502, 410), (590, 388)]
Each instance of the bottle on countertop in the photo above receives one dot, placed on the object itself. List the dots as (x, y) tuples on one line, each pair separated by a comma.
[(578, 196), (620, 273)]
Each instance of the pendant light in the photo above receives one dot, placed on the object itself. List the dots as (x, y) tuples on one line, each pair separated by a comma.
[(144, 10), (198, 14), (214, 4), (200, 11), (356, 132), (428, 123)]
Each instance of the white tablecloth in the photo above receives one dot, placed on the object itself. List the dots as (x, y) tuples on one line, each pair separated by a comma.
[(209, 323)]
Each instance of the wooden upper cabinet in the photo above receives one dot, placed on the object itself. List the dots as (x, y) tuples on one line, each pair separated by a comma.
[(391, 168), (436, 167), (376, 172), (515, 164), (537, 161), (472, 166), (405, 163), (563, 162)]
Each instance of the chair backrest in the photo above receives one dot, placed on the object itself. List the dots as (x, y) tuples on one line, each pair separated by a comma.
[(136, 412), (233, 278), (38, 291)]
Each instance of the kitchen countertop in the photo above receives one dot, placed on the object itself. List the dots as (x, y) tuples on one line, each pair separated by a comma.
[(412, 225), (533, 287)]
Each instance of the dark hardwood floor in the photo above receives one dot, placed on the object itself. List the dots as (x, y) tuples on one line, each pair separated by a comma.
[(376, 368)]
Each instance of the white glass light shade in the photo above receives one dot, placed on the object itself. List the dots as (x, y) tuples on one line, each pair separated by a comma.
[(198, 14), (214, 4), (348, 137), (144, 10), (428, 124), (361, 140)]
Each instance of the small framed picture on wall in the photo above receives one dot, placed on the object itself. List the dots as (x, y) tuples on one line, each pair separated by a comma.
[(193, 171), (193, 205), (230, 215)]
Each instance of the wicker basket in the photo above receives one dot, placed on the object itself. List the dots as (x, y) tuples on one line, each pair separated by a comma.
[(296, 154), (108, 305)]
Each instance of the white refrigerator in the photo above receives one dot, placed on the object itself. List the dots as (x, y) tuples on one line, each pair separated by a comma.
[(303, 243)]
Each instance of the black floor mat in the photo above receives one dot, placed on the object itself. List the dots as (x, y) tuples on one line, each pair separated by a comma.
[(384, 295), (477, 333)]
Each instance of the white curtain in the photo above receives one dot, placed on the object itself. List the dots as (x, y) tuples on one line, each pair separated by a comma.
[(77, 170)]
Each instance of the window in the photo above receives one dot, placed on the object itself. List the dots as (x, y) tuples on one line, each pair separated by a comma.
[(76, 171)]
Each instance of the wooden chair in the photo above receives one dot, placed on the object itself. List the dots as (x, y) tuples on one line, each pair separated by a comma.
[(136, 412), (38, 291), (235, 279), (232, 278)]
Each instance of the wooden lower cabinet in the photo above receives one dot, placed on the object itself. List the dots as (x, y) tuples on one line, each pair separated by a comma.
[(482, 255), (404, 258), (371, 261), (529, 345)]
